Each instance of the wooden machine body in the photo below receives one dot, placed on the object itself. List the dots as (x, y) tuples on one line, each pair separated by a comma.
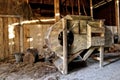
[(92, 33), (88, 34)]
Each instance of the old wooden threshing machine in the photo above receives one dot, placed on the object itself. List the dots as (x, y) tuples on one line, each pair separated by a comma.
[(73, 34)]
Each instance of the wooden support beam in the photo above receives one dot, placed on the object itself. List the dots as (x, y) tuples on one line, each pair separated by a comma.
[(26, 37), (101, 3), (72, 5), (89, 52), (79, 7), (27, 1), (72, 57), (91, 9), (10, 16), (21, 37), (101, 55), (65, 64), (66, 10), (117, 16), (57, 10)]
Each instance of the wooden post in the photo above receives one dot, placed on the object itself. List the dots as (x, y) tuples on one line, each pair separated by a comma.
[(57, 10), (26, 33), (65, 64), (79, 7), (27, 1), (117, 16), (72, 5), (66, 10), (91, 9), (21, 36), (21, 39), (101, 55)]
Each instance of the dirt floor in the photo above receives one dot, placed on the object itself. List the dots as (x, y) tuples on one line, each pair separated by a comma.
[(22, 71), (41, 70)]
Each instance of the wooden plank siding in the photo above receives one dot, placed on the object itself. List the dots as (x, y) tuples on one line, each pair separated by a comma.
[(1, 40), (9, 37), (5, 37)]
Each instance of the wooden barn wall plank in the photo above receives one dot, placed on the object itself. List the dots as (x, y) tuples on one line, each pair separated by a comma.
[(8, 43), (15, 47), (1, 40), (17, 39), (12, 34), (5, 37), (10, 40)]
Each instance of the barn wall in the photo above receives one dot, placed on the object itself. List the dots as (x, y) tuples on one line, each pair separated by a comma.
[(7, 37), (34, 37), (1, 40)]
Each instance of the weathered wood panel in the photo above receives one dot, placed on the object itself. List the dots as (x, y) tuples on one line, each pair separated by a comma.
[(17, 39), (34, 35), (10, 35), (5, 37), (8, 40), (109, 33), (95, 33), (80, 40), (15, 47), (1, 40)]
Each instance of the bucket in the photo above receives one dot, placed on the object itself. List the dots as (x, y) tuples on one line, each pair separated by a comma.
[(116, 37), (18, 57)]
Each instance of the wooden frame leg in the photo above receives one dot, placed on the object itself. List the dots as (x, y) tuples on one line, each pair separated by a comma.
[(65, 60), (101, 55)]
